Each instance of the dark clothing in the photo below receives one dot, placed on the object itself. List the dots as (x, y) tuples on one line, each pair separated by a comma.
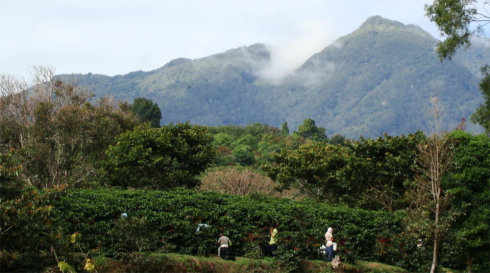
[(269, 250), (328, 253), (223, 252)]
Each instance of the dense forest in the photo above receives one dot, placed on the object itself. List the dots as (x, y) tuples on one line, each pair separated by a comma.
[(84, 181)]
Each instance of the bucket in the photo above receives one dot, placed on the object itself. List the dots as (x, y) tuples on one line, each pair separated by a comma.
[(334, 246)]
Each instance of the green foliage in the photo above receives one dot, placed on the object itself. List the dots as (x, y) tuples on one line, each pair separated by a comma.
[(248, 140), (257, 130), (59, 134), (174, 218), (380, 167), (469, 186), (368, 173), (288, 256), (222, 139), (285, 128), (244, 155), (337, 139), (316, 168), (382, 62), (162, 158), (27, 222), (250, 145), (458, 21), (11, 185), (309, 130), (454, 19), (130, 234), (147, 111), (482, 114)]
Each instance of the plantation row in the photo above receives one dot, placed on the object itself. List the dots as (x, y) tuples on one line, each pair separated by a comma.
[(168, 222)]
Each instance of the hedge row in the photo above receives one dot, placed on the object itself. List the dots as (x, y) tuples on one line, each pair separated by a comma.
[(168, 222)]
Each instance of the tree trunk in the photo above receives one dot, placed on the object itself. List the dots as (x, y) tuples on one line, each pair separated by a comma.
[(469, 264), (434, 257), (436, 240)]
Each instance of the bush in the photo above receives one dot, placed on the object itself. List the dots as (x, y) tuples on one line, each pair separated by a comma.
[(171, 220), (163, 158)]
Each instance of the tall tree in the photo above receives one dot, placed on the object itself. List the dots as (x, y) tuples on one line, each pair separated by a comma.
[(316, 169), (458, 20), (147, 111), (309, 130), (430, 198), (381, 166), (158, 158), (57, 134), (285, 128), (469, 183)]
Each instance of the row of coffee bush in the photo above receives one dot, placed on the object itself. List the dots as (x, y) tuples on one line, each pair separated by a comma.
[(189, 222)]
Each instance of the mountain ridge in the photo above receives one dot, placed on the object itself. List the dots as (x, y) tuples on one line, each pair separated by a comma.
[(376, 79)]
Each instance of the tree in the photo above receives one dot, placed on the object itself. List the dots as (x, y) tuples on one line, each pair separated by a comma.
[(337, 139), (147, 111), (430, 198), (458, 20), (316, 169), (158, 158), (469, 183), (381, 166), (285, 128), (248, 140), (482, 114), (309, 130), (58, 135), (244, 155), (11, 185), (222, 139)]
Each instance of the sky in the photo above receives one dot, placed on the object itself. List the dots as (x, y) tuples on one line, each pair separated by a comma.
[(114, 37)]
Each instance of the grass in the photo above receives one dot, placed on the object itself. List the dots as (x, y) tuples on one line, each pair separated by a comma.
[(173, 263), (169, 263)]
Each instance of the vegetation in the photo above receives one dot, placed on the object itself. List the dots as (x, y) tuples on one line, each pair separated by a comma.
[(54, 131), (458, 21), (161, 158), (374, 80), (147, 111), (86, 185)]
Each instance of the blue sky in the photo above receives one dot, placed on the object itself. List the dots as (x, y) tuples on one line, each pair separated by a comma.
[(119, 36)]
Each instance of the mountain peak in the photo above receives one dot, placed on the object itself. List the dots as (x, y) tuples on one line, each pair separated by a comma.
[(380, 24), (378, 20)]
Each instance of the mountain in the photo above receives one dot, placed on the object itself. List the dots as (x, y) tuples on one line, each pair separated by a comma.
[(377, 79)]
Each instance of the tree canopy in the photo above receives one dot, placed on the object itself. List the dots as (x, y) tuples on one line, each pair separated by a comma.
[(147, 111), (158, 158), (57, 134), (310, 130), (458, 21)]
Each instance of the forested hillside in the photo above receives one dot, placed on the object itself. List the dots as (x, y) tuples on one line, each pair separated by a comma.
[(87, 185), (377, 79)]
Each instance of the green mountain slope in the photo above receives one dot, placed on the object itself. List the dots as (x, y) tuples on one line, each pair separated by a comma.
[(377, 79), (380, 79)]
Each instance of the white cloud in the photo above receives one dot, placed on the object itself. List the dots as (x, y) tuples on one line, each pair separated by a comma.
[(288, 54), (119, 36)]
